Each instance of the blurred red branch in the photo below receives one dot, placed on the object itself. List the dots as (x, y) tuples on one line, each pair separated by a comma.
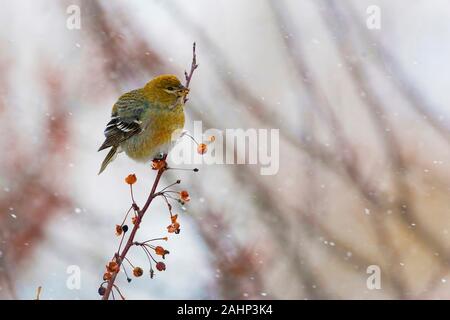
[(28, 178)]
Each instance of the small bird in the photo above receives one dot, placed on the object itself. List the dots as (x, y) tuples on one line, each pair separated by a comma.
[(145, 122)]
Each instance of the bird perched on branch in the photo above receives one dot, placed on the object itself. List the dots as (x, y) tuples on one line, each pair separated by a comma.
[(145, 122)]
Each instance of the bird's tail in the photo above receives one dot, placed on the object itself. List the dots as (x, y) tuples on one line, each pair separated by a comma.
[(109, 158)]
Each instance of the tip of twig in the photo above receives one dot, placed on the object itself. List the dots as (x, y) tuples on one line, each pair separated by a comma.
[(194, 65)]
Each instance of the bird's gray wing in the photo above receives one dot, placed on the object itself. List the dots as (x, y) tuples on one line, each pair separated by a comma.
[(125, 119)]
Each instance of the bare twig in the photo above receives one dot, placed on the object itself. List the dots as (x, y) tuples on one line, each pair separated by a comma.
[(194, 65)]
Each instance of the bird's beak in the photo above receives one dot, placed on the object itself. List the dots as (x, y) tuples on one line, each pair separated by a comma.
[(183, 91)]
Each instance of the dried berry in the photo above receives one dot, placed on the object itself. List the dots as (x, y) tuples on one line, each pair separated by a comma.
[(161, 251), (184, 196), (137, 272), (161, 266), (131, 179), (112, 267), (101, 290), (202, 148), (158, 164), (174, 227), (119, 230)]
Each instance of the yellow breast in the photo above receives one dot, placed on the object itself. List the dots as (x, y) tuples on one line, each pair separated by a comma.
[(157, 136)]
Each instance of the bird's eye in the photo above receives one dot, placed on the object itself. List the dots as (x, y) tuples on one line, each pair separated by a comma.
[(170, 88)]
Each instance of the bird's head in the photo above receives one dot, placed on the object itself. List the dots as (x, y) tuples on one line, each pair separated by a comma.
[(165, 90)]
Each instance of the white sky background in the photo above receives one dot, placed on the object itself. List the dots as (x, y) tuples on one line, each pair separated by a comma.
[(34, 33)]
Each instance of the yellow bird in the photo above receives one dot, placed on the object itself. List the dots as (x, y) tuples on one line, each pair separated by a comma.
[(145, 122)]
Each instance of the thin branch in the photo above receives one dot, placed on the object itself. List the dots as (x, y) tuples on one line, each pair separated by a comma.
[(137, 224), (194, 65)]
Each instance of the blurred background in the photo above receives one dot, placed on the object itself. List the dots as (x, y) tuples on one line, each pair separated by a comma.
[(364, 147)]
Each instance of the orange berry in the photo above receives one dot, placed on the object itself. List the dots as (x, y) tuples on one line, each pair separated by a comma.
[(107, 276), (184, 196), (174, 228), (118, 230), (112, 267), (137, 272), (161, 251), (158, 164), (202, 148), (131, 179)]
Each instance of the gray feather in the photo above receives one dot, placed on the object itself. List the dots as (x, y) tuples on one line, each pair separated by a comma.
[(109, 158)]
